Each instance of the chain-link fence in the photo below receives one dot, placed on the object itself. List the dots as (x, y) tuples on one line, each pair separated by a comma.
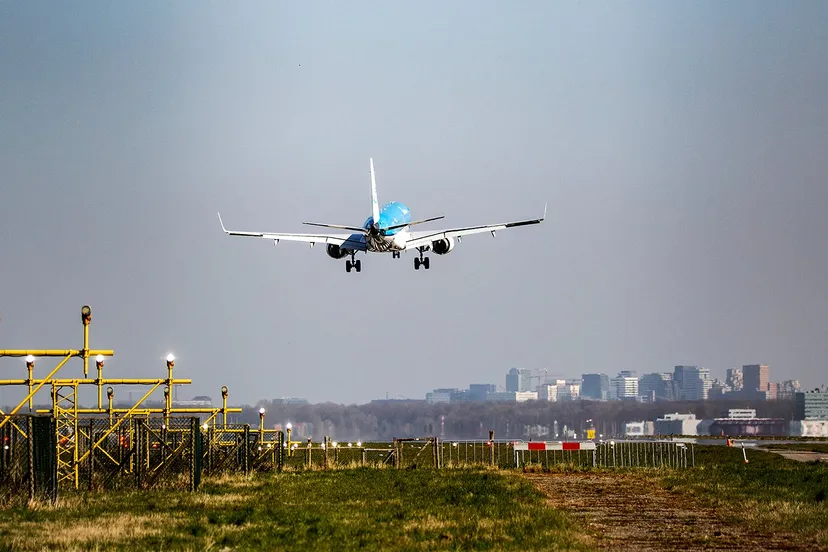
[(28, 460)]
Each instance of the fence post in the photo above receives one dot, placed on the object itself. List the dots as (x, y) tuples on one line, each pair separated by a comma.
[(91, 455), (308, 459), (491, 448), (396, 453), (326, 442), (246, 449), (31, 457), (280, 443)]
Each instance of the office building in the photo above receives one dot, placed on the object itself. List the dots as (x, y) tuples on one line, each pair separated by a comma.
[(595, 386), (756, 379), (812, 405)]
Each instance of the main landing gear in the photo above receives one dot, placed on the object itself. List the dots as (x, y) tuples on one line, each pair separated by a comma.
[(421, 261), (353, 264)]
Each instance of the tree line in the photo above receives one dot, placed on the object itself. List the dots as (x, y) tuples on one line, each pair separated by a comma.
[(473, 420)]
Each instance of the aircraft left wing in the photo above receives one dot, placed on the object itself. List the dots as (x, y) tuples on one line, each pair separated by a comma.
[(346, 241), (419, 239)]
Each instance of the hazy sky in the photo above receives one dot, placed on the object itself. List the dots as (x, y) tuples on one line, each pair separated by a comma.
[(682, 147)]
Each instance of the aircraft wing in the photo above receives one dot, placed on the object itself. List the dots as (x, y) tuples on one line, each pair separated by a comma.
[(419, 239), (346, 241)]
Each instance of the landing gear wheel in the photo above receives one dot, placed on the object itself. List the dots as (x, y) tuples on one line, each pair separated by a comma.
[(416, 263), (395, 255), (358, 266), (348, 266), (425, 263)]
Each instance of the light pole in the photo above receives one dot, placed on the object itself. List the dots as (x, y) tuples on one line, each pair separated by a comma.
[(109, 394), (30, 360), (224, 393), (290, 448), (261, 425), (169, 390), (99, 363)]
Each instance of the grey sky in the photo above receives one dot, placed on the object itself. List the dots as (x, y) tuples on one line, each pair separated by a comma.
[(681, 146)]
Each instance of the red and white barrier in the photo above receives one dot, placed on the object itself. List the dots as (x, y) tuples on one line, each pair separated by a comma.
[(555, 445)]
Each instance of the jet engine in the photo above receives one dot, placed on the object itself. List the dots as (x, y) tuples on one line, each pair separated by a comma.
[(441, 247), (336, 252)]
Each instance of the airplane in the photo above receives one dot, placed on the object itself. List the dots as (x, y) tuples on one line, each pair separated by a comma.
[(387, 230)]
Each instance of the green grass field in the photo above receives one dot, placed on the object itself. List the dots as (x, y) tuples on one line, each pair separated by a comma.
[(417, 509), (769, 492), (338, 510)]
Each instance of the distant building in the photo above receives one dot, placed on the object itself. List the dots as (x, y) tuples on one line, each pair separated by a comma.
[(639, 429), (624, 386), (656, 387), (196, 402), (733, 379), (512, 396), (290, 400), (595, 386), (440, 396), (788, 389), (812, 405), (479, 391), (741, 413), (569, 391), (756, 379), (518, 379), (808, 428), (677, 424), (548, 392)]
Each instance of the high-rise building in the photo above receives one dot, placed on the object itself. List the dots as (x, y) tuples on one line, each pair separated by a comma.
[(756, 379), (812, 405), (733, 379), (624, 386), (595, 386), (788, 389), (656, 387), (519, 380), (691, 383)]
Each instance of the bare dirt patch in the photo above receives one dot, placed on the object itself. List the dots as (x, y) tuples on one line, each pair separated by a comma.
[(632, 512)]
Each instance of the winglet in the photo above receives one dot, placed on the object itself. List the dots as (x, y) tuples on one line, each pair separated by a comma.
[(222, 224), (545, 205)]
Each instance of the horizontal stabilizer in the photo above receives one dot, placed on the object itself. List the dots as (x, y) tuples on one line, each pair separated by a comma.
[(337, 226), (396, 226)]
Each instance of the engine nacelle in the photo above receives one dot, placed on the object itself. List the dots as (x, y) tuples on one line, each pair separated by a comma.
[(441, 247), (336, 252)]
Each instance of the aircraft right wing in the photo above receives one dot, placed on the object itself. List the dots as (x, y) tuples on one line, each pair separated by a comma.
[(345, 241), (419, 239)]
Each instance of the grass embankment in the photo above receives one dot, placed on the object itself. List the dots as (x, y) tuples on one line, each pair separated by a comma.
[(768, 493), (807, 447), (341, 510)]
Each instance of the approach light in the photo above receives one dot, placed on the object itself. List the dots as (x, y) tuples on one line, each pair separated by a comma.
[(334, 444), (223, 390), (170, 357), (206, 426), (86, 314), (260, 449), (30, 359), (350, 444), (99, 359), (166, 392), (359, 443), (262, 411), (454, 444), (289, 425), (110, 392)]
